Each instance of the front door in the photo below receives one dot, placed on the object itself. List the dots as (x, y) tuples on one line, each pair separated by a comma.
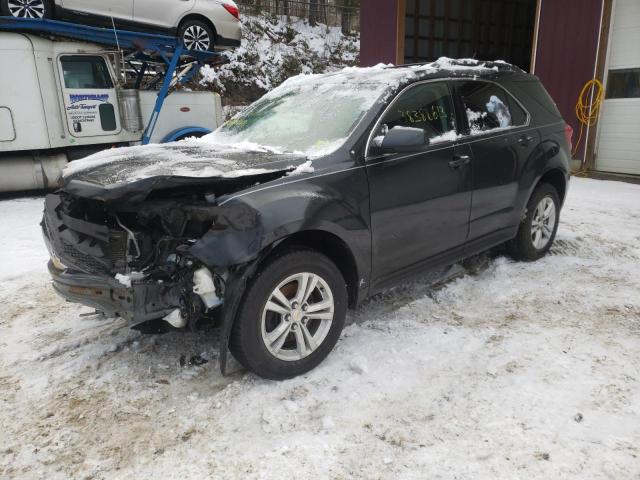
[(89, 94), (420, 199)]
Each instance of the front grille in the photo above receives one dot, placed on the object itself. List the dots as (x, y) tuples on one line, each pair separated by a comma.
[(86, 246), (86, 263)]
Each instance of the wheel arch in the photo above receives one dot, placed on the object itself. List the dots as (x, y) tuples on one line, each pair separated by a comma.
[(329, 244), (557, 179), (201, 18), (184, 132)]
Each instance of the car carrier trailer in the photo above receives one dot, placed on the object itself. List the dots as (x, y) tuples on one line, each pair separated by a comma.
[(65, 93)]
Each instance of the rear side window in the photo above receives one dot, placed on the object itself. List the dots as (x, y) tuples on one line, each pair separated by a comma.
[(84, 71), (489, 107), (427, 106)]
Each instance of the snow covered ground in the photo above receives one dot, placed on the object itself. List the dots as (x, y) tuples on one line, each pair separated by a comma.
[(511, 370)]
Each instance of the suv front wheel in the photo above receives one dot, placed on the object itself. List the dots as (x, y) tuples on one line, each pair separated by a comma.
[(291, 317), (539, 225)]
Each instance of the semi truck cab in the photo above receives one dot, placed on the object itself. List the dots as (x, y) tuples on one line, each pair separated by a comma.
[(63, 100)]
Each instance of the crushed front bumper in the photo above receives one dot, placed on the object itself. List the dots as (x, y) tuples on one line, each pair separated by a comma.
[(139, 303)]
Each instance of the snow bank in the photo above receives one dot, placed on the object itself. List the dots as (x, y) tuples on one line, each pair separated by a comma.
[(272, 50), (520, 370), (23, 251)]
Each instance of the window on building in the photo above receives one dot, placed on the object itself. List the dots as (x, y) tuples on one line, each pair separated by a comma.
[(489, 106), (624, 83), (84, 71), (427, 106)]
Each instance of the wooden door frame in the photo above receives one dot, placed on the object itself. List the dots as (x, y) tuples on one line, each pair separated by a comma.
[(401, 12), (601, 62), (534, 41)]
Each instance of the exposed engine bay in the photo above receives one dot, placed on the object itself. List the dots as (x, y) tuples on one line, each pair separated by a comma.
[(167, 256)]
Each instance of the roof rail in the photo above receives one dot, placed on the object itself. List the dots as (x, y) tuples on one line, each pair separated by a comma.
[(150, 45), (465, 62)]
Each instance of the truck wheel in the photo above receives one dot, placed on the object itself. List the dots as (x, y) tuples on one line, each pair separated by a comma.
[(291, 316), (34, 9), (197, 35), (539, 226)]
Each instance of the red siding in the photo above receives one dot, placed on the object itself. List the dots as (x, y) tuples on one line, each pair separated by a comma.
[(566, 52), (378, 36)]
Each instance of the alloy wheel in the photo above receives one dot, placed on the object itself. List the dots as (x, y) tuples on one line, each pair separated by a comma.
[(196, 38), (26, 8), (297, 316), (543, 222)]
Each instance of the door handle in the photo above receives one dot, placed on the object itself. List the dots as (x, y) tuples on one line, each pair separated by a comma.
[(459, 160), (524, 140)]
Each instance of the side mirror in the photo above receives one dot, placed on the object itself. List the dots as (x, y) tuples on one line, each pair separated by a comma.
[(401, 139)]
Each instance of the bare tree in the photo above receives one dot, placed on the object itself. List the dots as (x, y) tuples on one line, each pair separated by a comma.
[(347, 11), (313, 12)]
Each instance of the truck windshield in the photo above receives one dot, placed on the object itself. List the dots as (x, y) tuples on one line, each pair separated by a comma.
[(310, 116)]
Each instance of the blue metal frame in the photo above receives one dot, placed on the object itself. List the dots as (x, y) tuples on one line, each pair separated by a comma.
[(183, 132), (147, 43), (147, 47)]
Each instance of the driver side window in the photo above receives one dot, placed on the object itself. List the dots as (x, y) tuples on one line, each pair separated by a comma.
[(427, 107)]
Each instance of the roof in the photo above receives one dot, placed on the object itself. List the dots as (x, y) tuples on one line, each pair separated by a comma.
[(386, 78)]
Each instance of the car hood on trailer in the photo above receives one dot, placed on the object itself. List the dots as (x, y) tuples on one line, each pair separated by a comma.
[(136, 171)]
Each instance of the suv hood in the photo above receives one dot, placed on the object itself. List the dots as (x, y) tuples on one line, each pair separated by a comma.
[(136, 171)]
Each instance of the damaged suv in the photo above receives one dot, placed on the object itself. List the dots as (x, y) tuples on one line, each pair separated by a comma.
[(327, 190)]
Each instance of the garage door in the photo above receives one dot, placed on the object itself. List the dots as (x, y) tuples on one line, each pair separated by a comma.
[(619, 131)]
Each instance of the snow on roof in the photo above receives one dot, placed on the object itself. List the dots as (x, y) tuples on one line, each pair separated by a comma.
[(395, 75)]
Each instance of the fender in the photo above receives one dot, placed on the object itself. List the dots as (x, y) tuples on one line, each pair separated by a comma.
[(185, 132), (546, 157), (252, 222)]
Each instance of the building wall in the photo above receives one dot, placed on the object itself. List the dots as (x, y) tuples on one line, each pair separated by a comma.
[(566, 52), (378, 31)]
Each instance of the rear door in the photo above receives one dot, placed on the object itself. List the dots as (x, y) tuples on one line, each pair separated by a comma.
[(167, 16), (498, 133), (419, 200), (120, 9), (89, 95)]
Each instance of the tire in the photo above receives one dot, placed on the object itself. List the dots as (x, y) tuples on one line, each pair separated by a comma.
[(197, 35), (537, 231), (33, 9), (264, 341)]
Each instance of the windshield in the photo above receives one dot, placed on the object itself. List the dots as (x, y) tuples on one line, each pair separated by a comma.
[(313, 115)]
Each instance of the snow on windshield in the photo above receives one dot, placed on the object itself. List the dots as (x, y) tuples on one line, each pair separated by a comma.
[(313, 115)]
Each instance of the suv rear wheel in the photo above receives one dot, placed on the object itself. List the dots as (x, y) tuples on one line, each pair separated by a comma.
[(291, 316), (539, 226), (197, 35), (34, 9)]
